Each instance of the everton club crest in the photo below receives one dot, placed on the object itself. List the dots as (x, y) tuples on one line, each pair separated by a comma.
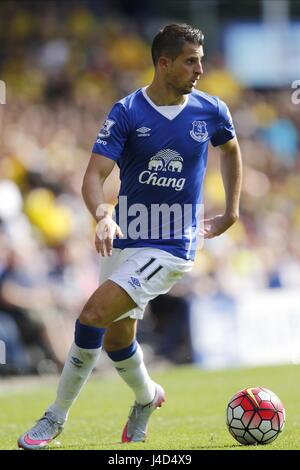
[(199, 131)]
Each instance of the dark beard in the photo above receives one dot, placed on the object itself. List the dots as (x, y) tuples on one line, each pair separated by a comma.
[(185, 91)]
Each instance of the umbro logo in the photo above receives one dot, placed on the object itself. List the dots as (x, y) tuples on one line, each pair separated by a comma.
[(134, 282), (76, 362), (143, 131)]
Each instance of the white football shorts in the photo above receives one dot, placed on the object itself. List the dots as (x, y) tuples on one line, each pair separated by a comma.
[(144, 273)]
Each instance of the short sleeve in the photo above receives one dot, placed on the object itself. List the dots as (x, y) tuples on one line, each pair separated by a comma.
[(113, 134), (225, 128)]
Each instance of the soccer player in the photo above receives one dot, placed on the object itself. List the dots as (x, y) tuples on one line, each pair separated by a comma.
[(158, 136)]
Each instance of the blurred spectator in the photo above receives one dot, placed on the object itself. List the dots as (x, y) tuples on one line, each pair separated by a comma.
[(171, 336)]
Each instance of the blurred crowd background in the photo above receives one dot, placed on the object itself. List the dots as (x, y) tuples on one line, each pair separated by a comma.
[(64, 64)]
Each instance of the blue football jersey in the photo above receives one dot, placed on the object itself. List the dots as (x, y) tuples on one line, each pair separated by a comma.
[(162, 161)]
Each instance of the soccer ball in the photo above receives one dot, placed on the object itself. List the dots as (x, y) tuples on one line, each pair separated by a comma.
[(255, 416)]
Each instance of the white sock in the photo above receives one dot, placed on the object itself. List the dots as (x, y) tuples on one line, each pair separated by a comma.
[(77, 369), (133, 371)]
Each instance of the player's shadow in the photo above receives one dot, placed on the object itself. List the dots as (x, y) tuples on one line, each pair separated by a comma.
[(140, 446), (137, 446), (213, 447), (94, 446)]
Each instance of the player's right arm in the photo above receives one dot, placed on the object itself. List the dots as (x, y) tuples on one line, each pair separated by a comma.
[(98, 169)]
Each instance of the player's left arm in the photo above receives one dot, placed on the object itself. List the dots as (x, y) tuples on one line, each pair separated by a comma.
[(231, 171)]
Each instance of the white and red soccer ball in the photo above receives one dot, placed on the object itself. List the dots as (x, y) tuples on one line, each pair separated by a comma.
[(255, 416)]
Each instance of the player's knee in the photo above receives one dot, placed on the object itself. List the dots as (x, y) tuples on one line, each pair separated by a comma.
[(92, 316), (115, 344)]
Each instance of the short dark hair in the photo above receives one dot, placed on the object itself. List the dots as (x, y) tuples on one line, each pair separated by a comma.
[(170, 40)]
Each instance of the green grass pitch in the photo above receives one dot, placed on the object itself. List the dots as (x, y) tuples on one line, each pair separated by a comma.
[(193, 418)]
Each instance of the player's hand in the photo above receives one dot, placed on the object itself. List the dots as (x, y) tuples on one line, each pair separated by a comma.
[(106, 230), (216, 225)]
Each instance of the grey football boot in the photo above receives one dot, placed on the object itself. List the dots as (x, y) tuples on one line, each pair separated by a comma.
[(42, 433), (135, 429)]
